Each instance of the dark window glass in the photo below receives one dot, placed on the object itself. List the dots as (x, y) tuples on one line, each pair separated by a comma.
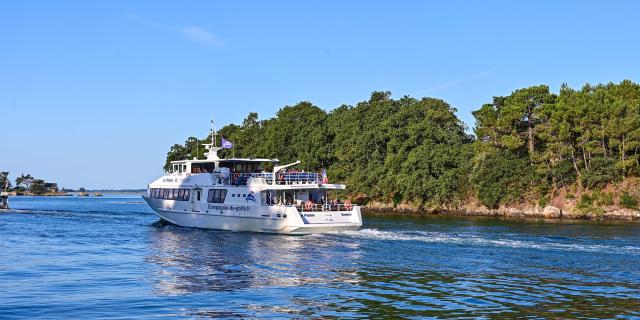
[(222, 194), (216, 195), (186, 195), (180, 194), (165, 193)]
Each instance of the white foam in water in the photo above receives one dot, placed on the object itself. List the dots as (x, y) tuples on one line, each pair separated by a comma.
[(439, 237)]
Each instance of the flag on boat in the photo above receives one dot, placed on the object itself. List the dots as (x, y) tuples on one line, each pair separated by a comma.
[(325, 178), (227, 144)]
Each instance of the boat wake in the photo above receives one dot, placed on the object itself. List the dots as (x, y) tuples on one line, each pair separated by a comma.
[(475, 240), (15, 211)]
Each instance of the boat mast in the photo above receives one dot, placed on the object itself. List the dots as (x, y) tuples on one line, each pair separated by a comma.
[(212, 147), (214, 134)]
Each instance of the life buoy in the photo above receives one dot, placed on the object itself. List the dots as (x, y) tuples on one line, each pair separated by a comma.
[(308, 205), (347, 205)]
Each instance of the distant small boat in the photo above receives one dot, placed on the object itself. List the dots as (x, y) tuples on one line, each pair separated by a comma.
[(98, 194), (4, 201), (83, 194)]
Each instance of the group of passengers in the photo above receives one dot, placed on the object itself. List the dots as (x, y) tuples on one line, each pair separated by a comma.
[(240, 177), (288, 200)]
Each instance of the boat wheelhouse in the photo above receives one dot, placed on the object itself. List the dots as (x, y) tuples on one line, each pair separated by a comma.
[(249, 194)]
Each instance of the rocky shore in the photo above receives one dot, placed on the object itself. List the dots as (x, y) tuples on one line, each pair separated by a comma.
[(566, 211)]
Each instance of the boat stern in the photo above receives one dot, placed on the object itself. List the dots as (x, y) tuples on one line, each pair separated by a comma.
[(307, 222)]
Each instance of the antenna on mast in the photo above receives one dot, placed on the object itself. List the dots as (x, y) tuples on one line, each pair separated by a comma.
[(214, 134), (212, 147)]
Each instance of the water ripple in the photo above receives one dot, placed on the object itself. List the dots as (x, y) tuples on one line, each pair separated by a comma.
[(111, 258)]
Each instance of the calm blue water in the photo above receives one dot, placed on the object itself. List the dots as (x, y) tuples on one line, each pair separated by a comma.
[(109, 257)]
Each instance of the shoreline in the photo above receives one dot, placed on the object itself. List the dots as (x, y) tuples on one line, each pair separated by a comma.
[(533, 212), (72, 194)]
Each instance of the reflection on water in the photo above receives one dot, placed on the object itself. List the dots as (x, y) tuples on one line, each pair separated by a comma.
[(191, 260), (387, 273)]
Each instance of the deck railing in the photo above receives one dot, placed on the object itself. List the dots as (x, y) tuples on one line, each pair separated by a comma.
[(324, 207), (281, 178)]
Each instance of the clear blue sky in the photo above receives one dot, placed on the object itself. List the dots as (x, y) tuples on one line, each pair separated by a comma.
[(93, 93)]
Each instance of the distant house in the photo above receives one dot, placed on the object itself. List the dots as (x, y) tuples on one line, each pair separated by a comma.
[(51, 187)]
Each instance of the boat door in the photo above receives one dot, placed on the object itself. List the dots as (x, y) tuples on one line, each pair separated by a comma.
[(196, 195)]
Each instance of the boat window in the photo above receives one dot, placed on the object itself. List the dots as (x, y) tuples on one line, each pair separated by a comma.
[(181, 194), (267, 198), (216, 195), (186, 194), (165, 193), (202, 167)]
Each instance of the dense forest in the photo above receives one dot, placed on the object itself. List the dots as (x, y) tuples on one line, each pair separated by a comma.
[(527, 146)]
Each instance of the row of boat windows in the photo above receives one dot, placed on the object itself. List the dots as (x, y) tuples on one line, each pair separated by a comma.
[(214, 196), (170, 194)]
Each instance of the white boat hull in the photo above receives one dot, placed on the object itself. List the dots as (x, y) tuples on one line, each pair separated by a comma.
[(254, 218)]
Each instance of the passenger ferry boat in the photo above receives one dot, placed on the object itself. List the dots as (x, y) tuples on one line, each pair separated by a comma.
[(238, 194)]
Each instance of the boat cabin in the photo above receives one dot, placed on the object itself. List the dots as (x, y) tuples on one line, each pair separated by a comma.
[(259, 180), (249, 165)]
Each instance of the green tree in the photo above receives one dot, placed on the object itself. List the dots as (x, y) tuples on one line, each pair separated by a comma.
[(528, 144), (24, 181), (501, 177), (37, 187), (5, 183)]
